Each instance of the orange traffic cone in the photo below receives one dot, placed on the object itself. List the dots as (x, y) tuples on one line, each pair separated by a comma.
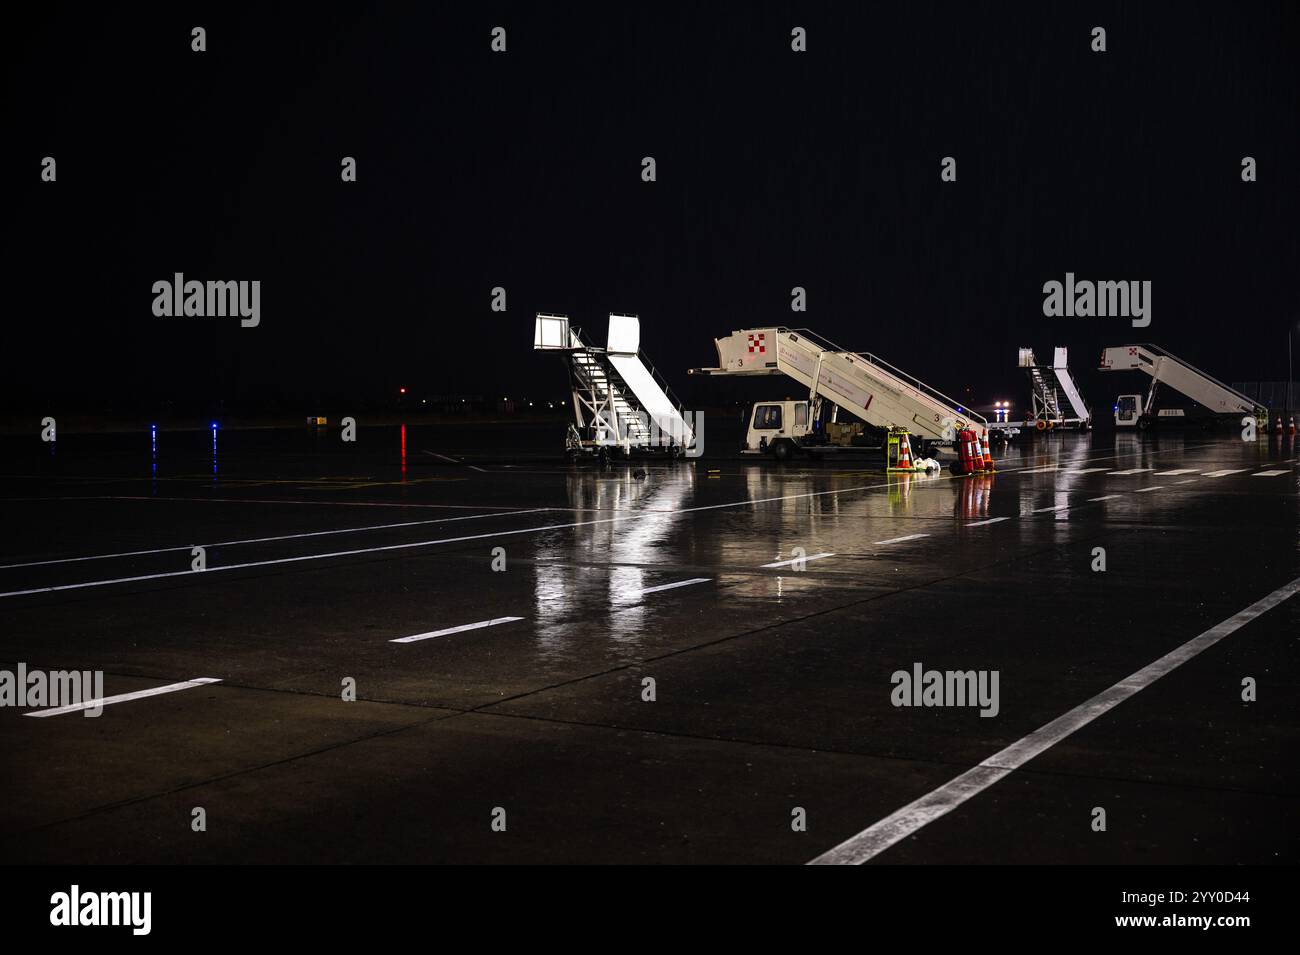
[(905, 453), (986, 459), (1279, 426), (1291, 430)]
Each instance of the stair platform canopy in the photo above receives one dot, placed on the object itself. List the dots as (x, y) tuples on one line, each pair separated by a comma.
[(864, 385), (620, 402)]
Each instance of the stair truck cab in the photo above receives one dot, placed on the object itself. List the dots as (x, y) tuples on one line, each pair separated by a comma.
[(786, 428)]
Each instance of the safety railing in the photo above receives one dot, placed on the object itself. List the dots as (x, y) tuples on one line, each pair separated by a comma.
[(912, 381)]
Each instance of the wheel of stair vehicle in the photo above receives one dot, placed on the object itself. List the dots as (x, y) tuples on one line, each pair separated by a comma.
[(782, 450), (1144, 423)]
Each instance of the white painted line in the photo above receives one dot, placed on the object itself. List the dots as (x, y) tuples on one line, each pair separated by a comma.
[(991, 520), (1050, 467), (655, 590), (282, 537), (795, 560), (897, 826), (1105, 497), (634, 516), (454, 461), (461, 629), (122, 698), (1269, 473), (1084, 470), (256, 500), (1054, 507), (899, 540), (639, 515), (1177, 472), (1148, 490), (1225, 473), (1132, 471), (1192, 481)]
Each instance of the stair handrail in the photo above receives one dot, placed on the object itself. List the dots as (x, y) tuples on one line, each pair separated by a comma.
[(912, 380), (1166, 353)]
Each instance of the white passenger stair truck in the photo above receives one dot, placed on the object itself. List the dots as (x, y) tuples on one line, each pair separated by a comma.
[(1055, 401), (868, 388), (1198, 399), (621, 405)]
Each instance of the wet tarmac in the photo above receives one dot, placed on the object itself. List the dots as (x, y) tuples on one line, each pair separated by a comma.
[(768, 606)]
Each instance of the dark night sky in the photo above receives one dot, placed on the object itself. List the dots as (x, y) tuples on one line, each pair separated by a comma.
[(775, 169)]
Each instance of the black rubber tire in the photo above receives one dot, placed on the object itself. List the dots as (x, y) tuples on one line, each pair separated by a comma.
[(782, 451)]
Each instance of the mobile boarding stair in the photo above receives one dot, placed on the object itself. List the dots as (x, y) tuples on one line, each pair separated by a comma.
[(1170, 370), (1050, 384), (620, 403), (860, 383)]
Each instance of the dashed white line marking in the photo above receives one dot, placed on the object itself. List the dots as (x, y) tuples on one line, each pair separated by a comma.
[(655, 590), (1051, 467), (1269, 473), (1054, 507), (123, 697), (1104, 497), (1148, 490), (1225, 473), (1132, 471), (899, 540), (1084, 470), (897, 826), (1192, 481), (1177, 472), (991, 520), (461, 629), (795, 560)]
